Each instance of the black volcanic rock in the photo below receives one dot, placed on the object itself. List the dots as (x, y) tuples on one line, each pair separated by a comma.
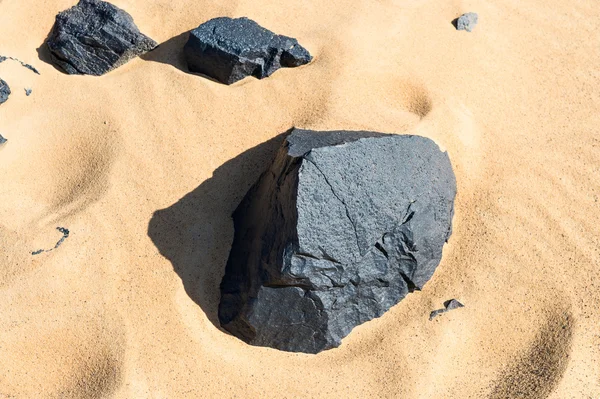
[(95, 37), (4, 91), (2, 140), (340, 228), (229, 49), (448, 306)]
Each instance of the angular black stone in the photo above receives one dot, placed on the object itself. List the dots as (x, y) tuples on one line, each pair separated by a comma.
[(341, 227), (229, 49), (4, 91), (95, 37), (2, 140), (448, 305)]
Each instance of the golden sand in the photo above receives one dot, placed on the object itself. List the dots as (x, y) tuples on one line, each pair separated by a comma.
[(145, 165)]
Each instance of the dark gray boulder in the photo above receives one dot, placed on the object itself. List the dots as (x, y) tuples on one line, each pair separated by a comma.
[(467, 21), (4, 91), (340, 228), (2, 140), (95, 37), (229, 49)]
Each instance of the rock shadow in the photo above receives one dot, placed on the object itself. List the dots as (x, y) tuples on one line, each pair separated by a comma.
[(195, 233), (44, 53), (171, 53)]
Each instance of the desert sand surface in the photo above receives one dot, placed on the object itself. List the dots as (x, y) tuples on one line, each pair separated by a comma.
[(145, 165)]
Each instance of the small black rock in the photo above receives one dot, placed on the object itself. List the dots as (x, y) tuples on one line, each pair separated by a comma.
[(229, 49), (95, 37), (448, 305), (2, 140), (341, 227), (467, 21), (4, 91)]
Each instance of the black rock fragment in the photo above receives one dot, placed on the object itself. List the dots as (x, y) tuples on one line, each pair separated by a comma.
[(28, 92), (2, 140), (229, 49), (95, 37), (65, 232), (448, 305), (31, 68), (467, 21), (4, 91), (341, 227)]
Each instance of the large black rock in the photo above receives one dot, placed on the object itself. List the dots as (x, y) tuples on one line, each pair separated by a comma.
[(229, 49), (95, 37), (4, 91), (341, 227)]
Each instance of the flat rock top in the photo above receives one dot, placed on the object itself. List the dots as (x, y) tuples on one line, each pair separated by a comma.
[(239, 35), (302, 141), (91, 16), (380, 180)]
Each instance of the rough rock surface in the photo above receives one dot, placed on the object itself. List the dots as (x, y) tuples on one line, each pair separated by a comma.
[(341, 227), (95, 37), (467, 21), (448, 305), (4, 91), (229, 49)]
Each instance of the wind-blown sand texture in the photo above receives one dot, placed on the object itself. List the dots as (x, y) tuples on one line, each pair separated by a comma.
[(145, 165)]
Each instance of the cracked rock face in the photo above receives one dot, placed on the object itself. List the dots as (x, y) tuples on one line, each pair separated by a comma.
[(4, 91), (229, 49), (340, 228), (95, 37)]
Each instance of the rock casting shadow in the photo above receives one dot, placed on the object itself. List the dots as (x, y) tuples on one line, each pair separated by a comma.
[(44, 53), (171, 53), (195, 233)]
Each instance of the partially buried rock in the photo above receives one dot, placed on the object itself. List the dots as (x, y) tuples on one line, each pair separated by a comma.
[(4, 91), (340, 228), (229, 49), (448, 305), (95, 37), (467, 21)]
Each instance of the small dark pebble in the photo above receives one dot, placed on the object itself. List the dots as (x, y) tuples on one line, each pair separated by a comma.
[(448, 305), (2, 140), (467, 21), (28, 92)]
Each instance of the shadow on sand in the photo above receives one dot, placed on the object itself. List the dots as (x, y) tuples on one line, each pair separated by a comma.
[(171, 53), (195, 233)]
